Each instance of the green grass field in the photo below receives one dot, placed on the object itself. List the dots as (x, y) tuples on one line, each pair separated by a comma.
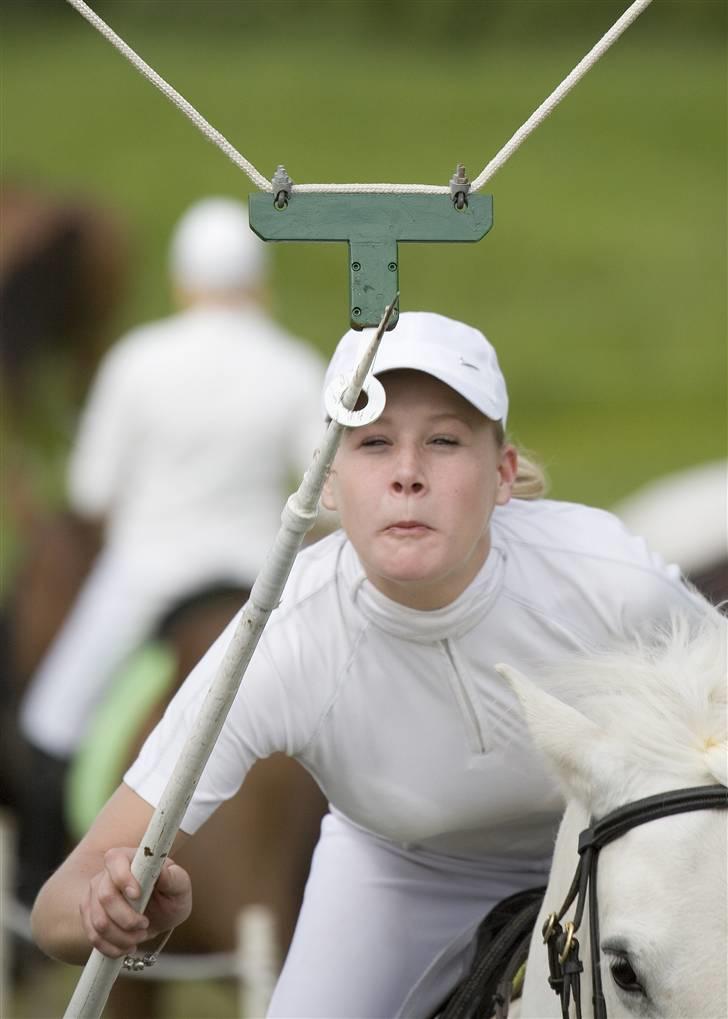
[(602, 283)]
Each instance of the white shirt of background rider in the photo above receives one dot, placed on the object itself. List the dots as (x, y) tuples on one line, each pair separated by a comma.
[(199, 424), (167, 449)]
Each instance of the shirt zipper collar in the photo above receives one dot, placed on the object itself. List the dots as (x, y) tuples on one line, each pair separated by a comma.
[(427, 626)]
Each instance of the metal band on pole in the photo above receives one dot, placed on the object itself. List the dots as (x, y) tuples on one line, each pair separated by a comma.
[(298, 516)]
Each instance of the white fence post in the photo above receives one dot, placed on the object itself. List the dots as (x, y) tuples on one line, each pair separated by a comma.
[(258, 964), (7, 858)]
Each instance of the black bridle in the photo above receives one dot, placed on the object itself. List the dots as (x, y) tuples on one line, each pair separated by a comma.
[(565, 966)]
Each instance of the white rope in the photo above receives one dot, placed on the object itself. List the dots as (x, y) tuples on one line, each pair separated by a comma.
[(257, 178), (548, 105), (197, 119), (374, 189)]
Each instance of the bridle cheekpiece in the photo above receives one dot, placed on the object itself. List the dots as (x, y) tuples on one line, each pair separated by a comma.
[(561, 943)]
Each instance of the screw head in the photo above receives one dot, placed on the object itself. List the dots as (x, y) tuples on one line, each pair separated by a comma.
[(356, 312), (392, 266), (356, 266)]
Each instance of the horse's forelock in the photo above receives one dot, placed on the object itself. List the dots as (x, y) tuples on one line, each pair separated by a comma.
[(664, 698)]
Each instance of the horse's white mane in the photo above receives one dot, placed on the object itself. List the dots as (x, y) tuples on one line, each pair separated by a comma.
[(664, 697)]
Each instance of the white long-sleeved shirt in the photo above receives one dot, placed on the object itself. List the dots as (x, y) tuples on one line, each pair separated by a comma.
[(195, 429), (399, 714)]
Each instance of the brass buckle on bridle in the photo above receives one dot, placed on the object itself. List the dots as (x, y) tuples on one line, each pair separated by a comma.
[(562, 946)]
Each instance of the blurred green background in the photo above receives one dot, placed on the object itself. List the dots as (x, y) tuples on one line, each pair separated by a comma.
[(603, 282)]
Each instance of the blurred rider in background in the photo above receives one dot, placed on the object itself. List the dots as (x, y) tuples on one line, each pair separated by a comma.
[(195, 429)]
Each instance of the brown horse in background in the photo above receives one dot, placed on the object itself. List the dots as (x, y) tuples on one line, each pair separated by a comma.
[(256, 848), (63, 269)]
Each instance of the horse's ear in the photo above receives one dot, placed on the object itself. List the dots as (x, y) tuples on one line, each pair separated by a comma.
[(580, 752)]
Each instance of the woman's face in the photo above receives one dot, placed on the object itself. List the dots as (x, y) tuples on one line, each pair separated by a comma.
[(416, 488)]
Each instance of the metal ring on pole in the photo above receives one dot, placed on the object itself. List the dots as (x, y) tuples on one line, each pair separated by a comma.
[(336, 410)]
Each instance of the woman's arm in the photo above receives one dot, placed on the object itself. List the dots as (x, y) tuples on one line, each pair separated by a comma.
[(83, 905)]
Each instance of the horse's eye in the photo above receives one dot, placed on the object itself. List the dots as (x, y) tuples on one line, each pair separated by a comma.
[(624, 976)]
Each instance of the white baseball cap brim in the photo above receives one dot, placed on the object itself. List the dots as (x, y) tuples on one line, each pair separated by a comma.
[(455, 353)]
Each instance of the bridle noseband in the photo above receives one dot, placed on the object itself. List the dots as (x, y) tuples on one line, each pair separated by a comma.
[(565, 966)]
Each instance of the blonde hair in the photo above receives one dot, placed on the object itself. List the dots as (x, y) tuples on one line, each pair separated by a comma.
[(531, 480)]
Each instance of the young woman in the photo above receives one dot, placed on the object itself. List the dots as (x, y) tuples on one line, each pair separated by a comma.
[(377, 673)]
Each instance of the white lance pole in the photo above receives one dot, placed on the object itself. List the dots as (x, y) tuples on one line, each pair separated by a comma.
[(298, 516)]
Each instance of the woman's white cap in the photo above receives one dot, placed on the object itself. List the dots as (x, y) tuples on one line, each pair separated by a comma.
[(455, 353), (213, 247)]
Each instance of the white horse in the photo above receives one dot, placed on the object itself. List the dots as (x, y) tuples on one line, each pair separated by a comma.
[(631, 726)]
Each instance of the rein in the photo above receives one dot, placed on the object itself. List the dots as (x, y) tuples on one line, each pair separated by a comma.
[(561, 943)]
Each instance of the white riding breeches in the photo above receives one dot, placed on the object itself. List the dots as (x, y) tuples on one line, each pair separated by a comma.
[(117, 608), (385, 928)]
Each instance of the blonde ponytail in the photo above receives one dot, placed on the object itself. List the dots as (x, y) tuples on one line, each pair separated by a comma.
[(531, 481)]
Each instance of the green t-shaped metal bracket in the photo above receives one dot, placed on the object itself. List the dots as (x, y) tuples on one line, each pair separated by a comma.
[(373, 225)]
